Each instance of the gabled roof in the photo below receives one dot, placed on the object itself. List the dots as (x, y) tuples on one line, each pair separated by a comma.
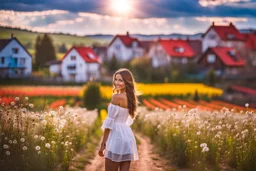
[(196, 45), (86, 53), (228, 32), (229, 56), (177, 48), (5, 42), (126, 39), (146, 44), (250, 41)]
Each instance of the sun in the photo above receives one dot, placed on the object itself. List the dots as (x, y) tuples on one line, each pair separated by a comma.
[(121, 6)]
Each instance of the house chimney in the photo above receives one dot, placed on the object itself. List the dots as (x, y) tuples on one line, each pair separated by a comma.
[(127, 33), (230, 24), (213, 23)]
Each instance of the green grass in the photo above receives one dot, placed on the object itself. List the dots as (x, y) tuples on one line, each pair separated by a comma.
[(26, 36)]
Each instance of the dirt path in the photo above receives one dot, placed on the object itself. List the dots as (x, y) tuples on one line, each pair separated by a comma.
[(148, 161)]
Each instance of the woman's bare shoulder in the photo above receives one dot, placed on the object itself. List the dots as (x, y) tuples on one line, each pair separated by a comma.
[(118, 99)]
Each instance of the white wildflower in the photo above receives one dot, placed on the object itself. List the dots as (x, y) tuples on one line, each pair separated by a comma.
[(8, 153), (22, 139), (24, 148), (47, 145), (37, 148)]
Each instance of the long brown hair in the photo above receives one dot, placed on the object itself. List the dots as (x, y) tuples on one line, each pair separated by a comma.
[(129, 88)]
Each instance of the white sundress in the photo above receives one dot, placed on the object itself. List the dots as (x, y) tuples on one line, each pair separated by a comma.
[(121, 143)]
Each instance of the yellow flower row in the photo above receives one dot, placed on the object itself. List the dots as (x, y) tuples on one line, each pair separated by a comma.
[(169, 89)]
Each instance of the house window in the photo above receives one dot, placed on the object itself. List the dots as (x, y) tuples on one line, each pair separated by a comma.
[(231, 36), (230, 44), (15, 50), (117, 47), (184, 60), (2, 60), (22, 61), (211, 58), (212, 36), (90, 55), (179, 49), (232, 54), (73, 58), (134, 44)]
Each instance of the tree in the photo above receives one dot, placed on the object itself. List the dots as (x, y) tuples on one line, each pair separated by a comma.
[(37, 51), (211, 77), (113, 64), (44, 50), (92, 95), (62, 48), (138, 68), (196, 96)]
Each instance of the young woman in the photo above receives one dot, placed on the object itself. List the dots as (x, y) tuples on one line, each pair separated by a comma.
[(118, 142)]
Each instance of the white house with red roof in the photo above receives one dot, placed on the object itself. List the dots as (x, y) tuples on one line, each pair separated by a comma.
[(224, 60), (223, 35), (15, 60), (80, 64), (164, 52), (124, 48)]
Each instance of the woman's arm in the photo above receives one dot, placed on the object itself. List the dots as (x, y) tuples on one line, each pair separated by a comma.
[(103, 143)]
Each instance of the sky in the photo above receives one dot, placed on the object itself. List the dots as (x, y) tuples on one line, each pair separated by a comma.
[(86, 17)]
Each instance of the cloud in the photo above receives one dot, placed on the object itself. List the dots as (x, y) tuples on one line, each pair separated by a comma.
[(83, 23), (206, 3), (222, 20), (143, 8)]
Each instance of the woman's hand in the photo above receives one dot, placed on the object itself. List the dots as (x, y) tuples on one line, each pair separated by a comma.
[(102, 148)]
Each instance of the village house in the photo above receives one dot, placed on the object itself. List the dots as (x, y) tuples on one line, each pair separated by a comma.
[(223, 35), (224, 60), (164, 52), (15, 60), (250, 46), (124, 48), (79, 64)]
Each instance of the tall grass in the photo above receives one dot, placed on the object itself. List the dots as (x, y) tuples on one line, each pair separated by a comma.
[(200, 140), (45, 140)]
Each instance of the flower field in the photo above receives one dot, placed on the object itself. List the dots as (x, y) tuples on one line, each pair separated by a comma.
[(144, 89), (178, 104), (222, 139), (46, 140)]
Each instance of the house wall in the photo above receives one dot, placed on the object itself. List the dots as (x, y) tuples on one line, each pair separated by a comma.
[(211, 39), (218, 64), (159, 56), (121, 52), (19, 69)]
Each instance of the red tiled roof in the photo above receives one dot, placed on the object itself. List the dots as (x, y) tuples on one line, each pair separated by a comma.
[(226, 58), (229, 32), (244, 89), (126, 39), (170, 47), (86, 53), (251, 41)]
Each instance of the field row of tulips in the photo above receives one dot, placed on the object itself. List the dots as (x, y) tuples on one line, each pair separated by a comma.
[(106, 91), (58, 103), (46, 140), (201, 139), (165, 104), (30, 91)]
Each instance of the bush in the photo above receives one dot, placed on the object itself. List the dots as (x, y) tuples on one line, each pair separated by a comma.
[(92, 95)]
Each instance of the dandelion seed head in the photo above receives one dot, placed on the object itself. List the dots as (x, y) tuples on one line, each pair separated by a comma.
[(8, 153), (37, 148), (24, 148)]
